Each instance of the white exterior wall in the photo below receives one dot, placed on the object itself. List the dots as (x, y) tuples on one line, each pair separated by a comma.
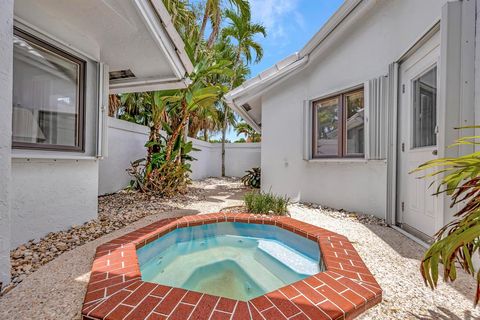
[(126, 143), (50, 195), (6, 61), (363, 52), (53, 190)]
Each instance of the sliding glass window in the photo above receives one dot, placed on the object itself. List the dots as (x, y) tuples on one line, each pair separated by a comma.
[(339, 127), (48, 96)]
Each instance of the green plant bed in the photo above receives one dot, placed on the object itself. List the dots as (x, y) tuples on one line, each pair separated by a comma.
[(266, 203)]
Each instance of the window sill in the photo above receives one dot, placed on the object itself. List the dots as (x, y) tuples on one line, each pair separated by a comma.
[(30, 156), (342, 160)]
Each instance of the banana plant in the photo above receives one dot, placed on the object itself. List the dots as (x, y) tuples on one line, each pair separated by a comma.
[(458, 241), (165, 169)]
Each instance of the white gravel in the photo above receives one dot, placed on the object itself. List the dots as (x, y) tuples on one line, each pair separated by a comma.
[(394, 260), (56, 290)]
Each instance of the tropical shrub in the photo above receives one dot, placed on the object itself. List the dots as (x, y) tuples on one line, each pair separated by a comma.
[(165, 169), (166, 178), (252, 178), (459, 240), (266, 203)]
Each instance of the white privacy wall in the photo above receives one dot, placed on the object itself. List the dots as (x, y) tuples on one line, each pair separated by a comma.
[(6, 61), (126, 143), (363, 52)]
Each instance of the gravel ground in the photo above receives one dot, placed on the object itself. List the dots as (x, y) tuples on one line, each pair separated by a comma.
[(56, 289), (394, 260)]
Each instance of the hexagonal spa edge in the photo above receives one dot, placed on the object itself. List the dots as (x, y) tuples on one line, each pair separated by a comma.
[(116, 291)]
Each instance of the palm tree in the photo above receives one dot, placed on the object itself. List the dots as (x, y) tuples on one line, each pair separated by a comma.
[(248, 131), (205, 120), (183, 18), (213, 12), (242, 31)]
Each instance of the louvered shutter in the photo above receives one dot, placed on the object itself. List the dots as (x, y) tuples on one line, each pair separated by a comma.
[(376, 101), (102, 125), (307, 130)]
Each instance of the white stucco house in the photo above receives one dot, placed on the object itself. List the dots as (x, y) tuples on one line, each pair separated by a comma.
[(376, 92), (58, 62)]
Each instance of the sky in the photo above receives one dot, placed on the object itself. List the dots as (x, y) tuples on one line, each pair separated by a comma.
[(290, 24)]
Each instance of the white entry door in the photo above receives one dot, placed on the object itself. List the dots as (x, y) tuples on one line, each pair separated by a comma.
[(417, 210)]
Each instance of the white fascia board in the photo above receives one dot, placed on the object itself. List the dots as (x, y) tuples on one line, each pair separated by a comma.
[(256, 89), (165, 35), (145, 85)]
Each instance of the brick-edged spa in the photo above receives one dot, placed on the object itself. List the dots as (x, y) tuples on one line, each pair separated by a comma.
[(116, 291)]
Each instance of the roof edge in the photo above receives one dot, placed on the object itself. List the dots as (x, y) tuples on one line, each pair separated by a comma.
[(293, 63), (176, 50)]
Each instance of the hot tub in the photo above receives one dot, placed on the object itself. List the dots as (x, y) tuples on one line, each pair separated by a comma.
[(229, 266), (230, 259)]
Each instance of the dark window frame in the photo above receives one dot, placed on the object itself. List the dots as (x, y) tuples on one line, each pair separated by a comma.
[(341, 126), (80, 123)]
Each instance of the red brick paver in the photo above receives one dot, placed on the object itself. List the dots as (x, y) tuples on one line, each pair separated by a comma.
[(115, 290)]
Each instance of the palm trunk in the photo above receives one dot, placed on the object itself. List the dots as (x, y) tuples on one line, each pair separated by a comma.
[(202, 32), (179, 130), (224, 134), (153, 136), (215, 30), (225, 113)]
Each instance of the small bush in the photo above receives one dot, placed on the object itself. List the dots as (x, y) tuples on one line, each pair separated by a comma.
[(267, 203), (252, 178)]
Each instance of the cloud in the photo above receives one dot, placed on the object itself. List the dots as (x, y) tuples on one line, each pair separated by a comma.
[(277, 16)]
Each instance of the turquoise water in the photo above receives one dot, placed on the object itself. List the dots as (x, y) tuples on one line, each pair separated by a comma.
[(234, 260)]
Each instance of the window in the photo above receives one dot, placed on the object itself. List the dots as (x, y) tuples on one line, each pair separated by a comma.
[(338, 124), (48, 96), (425, 109)]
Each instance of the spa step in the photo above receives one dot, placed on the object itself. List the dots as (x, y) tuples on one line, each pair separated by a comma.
[(286, 257)]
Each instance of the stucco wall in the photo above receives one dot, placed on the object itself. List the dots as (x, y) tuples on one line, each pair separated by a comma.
[(51, 195), (126, 143), (363, 52), (6, 61), (53, 190)]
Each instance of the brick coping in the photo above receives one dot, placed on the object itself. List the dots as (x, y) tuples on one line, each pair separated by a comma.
[(116, 291)]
